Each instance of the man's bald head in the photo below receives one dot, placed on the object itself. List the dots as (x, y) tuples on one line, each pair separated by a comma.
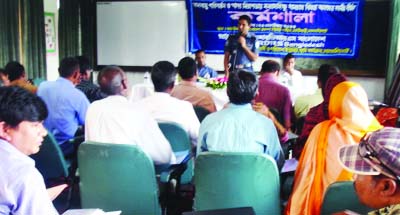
[(112, 81)]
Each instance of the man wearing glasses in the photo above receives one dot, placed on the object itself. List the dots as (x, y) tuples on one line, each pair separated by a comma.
[(376, 165)]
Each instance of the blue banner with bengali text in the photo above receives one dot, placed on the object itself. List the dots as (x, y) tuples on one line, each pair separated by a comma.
[(318, 29)]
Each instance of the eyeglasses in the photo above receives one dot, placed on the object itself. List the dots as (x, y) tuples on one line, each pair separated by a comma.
[(370, 156)]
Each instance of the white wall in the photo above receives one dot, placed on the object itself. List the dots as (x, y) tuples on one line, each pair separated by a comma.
[(373, 86), (52, 58)]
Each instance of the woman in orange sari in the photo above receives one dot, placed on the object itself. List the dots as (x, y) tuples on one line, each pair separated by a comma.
[(349, 119)]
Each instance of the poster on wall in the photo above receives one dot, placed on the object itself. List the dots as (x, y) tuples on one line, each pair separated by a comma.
[(50, 32), (319, 29)]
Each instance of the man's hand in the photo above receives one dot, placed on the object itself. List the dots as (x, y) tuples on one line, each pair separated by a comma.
[(261, 108), (55, 191)]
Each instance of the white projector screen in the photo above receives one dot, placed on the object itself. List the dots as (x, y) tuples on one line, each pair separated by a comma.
[(140, 33)]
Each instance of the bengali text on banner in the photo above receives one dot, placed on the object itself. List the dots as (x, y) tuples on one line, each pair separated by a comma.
[(320, 28)]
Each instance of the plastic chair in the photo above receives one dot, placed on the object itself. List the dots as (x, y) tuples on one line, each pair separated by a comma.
[(236, 179), (38, 81), (117, 177), (51, 164), (180, 141), (201, 112), (341, 196)]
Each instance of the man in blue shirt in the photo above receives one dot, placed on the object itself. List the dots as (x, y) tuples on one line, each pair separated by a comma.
[(22, 188), (67, 105), (241, 49), (238, 128), (203, 70)]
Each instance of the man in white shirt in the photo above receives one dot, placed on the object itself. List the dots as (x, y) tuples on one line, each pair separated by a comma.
[(115, 120), (165, 108), (290, 77)]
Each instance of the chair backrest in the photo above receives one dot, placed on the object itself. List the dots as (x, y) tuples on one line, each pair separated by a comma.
[(180, 141), (201, 112), (38, 81), (50, 160), (117, 177), (235, 179), (341, 196), (176, 135)]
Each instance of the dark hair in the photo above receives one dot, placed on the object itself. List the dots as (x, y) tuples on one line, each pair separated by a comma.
[(110, 80), (163, 75), (242, 87), (245, 17), (14, 70), (287, 58), (3, 71), (187, 68), (270, 66), (324, 72), (67, 67), (199, 51), (84, 64), (17, 105)]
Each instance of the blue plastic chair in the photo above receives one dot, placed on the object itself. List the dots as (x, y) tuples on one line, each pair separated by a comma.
[(180, 141), (235, 179), (117, 177), (52, 165), (341, 196)]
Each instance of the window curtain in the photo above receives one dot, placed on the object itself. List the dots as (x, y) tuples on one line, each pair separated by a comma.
[(87, 18), (33, 38), (9, 32), (22, 36), (392, 80), (68, 29)]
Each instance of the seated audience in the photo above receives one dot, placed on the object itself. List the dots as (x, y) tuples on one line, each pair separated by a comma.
[(204, 70), (22, 188), (376, 165), (115, 120), (349, 119), (187, 89), (318, 113), (165, 108), (303, 103), (85, 85), (4, 81), (238, 128), (272, 93), (17, 76), (67, 105), (290, 77)]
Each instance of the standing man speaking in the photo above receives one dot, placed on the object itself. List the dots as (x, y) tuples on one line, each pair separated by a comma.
[(241, 49)]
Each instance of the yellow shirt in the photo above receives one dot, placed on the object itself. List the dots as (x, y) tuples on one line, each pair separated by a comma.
[(304, 103), (24, 84)]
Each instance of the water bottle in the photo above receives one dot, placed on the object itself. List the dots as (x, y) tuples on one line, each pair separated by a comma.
[(146, 78)]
